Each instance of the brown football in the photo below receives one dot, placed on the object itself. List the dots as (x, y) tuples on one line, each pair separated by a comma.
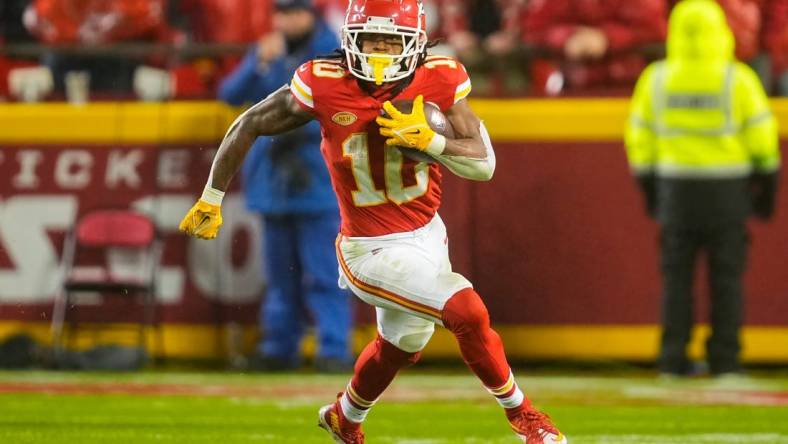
[(435, 118)]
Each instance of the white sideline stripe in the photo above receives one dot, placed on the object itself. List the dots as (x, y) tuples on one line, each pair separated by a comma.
[(420, 441), (704, 438), (709, 395)]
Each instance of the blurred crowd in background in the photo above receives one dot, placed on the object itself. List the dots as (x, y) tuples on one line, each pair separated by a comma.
[(182, 49)]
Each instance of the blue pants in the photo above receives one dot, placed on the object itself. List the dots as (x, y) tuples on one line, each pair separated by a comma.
[(301, 266)]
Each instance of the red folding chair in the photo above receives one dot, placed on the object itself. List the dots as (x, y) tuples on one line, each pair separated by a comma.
[(107, 232)]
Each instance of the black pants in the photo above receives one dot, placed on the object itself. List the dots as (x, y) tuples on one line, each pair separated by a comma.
[(726, 250)]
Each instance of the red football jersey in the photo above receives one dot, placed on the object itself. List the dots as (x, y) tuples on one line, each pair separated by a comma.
[(379, 190)]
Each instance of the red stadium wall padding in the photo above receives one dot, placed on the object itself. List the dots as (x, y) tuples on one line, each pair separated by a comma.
[(558, 237), (44, 188)]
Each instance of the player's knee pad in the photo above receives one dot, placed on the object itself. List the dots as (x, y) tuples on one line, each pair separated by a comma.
[(415, 342), (407, 337), (465, 311), (411, 342), (395, 355)]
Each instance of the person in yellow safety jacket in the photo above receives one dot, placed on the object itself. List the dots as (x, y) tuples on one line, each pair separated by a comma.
[(702, 142)]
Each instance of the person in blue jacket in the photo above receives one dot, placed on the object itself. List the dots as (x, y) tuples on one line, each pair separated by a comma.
[(285, 179)]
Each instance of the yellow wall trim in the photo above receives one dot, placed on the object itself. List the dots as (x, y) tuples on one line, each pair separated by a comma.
[(600, 119), (114, 123), (577, 342)]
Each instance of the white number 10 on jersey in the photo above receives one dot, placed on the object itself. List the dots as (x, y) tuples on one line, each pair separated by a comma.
[(355, 147)]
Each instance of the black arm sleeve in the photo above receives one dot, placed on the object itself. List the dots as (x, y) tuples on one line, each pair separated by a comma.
[(763, 188), (648, 186)]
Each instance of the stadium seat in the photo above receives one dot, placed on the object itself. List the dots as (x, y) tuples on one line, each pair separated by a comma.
[(129, 250)]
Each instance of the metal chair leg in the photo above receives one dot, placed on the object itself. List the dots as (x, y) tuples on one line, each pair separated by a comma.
[(59, 310)]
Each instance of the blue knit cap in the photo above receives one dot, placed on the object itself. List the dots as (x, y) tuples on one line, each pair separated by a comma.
[(286, 5)]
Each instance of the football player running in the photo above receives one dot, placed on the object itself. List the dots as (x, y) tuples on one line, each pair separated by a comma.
[(392, 248)]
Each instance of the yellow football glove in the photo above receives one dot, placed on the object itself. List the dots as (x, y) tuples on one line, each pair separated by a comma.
[(202, 221), (410, 130)]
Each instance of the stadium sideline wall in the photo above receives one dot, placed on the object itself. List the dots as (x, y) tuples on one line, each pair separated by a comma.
[(557, 244)]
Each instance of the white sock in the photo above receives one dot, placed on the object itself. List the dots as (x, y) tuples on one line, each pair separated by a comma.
[(349, 402), (508, 395)]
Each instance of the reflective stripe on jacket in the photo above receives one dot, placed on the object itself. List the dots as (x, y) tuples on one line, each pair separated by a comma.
[(699, 113)]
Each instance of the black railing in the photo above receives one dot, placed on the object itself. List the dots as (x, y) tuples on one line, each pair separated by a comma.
[(132, 50)]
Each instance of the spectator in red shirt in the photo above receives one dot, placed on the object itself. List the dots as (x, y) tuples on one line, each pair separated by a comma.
[(12, 31), (593, 43), (775, 41), (483, 34), (471, 24), (95, 22), (228, 21), (217, 21)]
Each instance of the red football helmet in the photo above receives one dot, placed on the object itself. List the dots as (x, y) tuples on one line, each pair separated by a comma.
[(403, 18)]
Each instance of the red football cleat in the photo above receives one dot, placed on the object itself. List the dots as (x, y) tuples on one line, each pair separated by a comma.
[(535, 427), (331, 419)]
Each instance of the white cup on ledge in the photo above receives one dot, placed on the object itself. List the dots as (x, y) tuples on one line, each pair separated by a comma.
[(30, 84), (77, 87)]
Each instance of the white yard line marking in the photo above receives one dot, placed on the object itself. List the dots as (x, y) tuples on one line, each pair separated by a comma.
[(698, 438)]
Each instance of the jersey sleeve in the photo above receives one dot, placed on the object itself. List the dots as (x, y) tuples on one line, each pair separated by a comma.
[(448, 79), (463, 82), (301, 86)]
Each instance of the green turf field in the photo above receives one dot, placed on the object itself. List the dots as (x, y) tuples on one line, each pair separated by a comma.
[(42, 407)]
